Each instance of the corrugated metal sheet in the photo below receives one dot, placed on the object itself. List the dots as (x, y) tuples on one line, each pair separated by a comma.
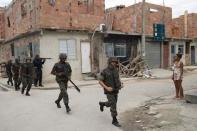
[(153, 54)]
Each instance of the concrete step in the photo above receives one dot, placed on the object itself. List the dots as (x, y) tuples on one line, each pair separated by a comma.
[(89, 78), (191, 97)]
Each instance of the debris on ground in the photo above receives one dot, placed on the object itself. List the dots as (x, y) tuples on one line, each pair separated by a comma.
[(162, 114), (134, 68)]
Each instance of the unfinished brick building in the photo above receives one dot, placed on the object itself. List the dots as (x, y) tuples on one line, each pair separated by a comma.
[(129, 19), (2, 24), (184, 30), (50, 27), (185, 26), (23, 16)]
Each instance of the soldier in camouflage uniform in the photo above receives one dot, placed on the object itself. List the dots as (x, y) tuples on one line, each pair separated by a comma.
[(110, 81), (9, 72), (27, 75), (62, 71), (15, 71)]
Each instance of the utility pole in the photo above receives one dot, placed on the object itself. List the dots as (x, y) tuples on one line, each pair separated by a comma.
[(143, 40), (162, 42), (135, 18)]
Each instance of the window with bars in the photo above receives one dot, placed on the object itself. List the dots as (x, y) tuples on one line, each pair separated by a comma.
[(117, 49), (68, 47), (180, 49)]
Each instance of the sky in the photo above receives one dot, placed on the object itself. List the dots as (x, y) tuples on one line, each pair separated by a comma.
[(178, 6)]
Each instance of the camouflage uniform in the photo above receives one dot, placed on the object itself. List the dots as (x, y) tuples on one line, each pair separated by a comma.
[(15, 70), (9, 72), (110, 77), (27, 75), (63, 71), (38, 62)]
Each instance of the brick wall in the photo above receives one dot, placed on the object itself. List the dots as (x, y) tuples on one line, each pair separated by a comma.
[(20, 17), (27, 15), (166, 55), (123, 19), (179, 23), (74, 15), (5, 49), (192, 25), (178, 27), (2, 24)]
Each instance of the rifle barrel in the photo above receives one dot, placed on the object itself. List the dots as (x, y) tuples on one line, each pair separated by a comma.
[(45, 58), (76, 87)]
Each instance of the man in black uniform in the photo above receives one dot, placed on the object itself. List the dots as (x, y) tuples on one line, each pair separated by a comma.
[(9, 72), (110, 81), (27, 75), (15, 71), (38, 62), (62, 71)]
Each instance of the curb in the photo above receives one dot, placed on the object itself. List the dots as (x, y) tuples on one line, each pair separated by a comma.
[(5, 87), (9, 88)]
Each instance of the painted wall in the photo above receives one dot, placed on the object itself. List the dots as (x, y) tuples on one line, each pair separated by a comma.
[(49, 47), (176, 43)]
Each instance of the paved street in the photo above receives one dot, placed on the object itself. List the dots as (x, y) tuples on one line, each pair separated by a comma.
[(38, 112)]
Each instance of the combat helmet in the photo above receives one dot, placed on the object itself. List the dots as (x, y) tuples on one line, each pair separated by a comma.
[(27, 59), (63, 56), (112, 59)]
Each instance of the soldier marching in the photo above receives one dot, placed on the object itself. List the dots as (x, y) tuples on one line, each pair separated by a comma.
[(62, 71), (9, 72), (109, 80), (27, 75), (16, 76)]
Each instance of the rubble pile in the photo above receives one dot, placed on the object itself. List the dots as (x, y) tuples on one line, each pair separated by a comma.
[(134, 68)]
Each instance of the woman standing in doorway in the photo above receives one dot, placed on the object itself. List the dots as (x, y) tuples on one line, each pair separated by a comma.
[(177, 76)]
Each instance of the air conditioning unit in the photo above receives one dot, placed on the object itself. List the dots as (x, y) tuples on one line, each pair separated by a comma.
[(102, 28)]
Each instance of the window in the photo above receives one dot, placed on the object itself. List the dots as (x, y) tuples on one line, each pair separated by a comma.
[(23, 9), (52, 2), (118, 50), (80, 2), (68, 47), (180, 49), (153, 10), (109, 49)]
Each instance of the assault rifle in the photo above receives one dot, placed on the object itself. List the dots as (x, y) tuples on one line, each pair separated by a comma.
[(76, 87), (45, 58)]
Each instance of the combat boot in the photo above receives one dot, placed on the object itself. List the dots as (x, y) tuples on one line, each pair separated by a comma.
[(58, 104), (115, 122), (101, 106), (27, 94), (41, 85), (22, 91), (68, 108)]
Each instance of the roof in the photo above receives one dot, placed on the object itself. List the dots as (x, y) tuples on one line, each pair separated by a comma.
[(120, 33)]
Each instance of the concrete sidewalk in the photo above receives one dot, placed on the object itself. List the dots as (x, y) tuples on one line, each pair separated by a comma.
[(156, 74)]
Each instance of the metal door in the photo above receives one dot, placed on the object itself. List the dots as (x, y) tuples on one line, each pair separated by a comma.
[(153, 54)]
